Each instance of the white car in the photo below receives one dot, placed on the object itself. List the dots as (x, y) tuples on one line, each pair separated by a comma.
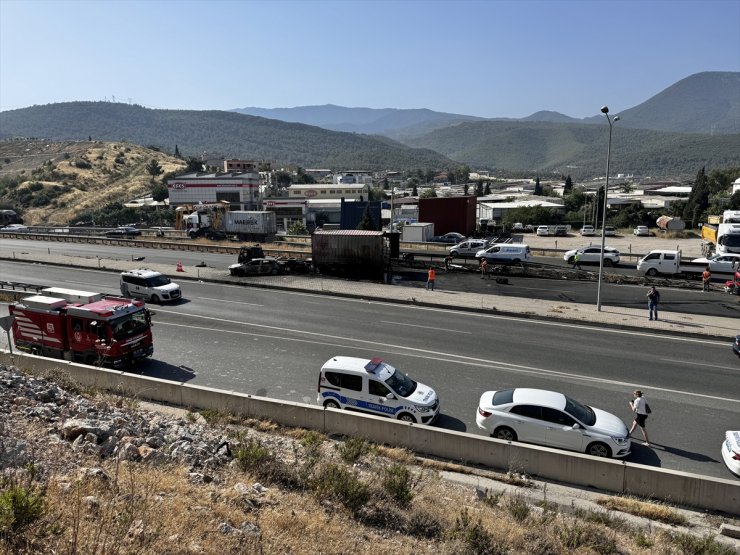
[(588, 231), (468, 248), (642, 231), (552, 419), (731, 451), (609, 231), (593, 255), (720, 263), (543, 231), (15, 228)]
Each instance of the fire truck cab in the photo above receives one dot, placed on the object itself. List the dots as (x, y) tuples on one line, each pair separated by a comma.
[(81, 326)]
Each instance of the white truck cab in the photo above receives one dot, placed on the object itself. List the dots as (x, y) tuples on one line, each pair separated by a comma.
[(375, 387)]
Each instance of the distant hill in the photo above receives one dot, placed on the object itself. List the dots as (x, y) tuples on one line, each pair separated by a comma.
[(226, 133), (372, 121), (580, 150), (707, 102)]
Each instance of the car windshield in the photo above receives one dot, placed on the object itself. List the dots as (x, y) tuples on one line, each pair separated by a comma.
[(401, 384), (158, 281), (128, 326), (580, 412)]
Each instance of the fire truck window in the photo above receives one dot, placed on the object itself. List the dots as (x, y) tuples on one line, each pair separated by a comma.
[(77, 325)]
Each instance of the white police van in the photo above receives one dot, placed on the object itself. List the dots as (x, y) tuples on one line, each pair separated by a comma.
[(149, 285), (375, 387)]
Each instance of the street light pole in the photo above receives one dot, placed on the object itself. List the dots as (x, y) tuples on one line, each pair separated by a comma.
[(605, 111)]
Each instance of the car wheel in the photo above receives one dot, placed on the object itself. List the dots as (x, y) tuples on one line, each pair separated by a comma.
[(571, 260), (406, 417), (608, 262), (652, 272), (599, 449), (154, 299), (517, 261), (331, 405), (505, 433), (453, 253)]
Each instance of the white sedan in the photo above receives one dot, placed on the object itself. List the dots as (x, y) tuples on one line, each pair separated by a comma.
[(720, 263), (552, 419), (731, 451), (642, 231), (593, 255), (15, 228)]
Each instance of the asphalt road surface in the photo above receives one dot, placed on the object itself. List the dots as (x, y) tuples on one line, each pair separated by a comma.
[(273, 343), (673, 299)]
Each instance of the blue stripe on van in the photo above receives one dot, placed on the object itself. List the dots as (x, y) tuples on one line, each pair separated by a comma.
[(363, 405)]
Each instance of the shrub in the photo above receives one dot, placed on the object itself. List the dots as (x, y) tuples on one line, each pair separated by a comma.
[(473, 535), (690, 544), (20, 506), (518, 507), (397, 483), (251, 454), (352, 449), (337, 482), (575, 534)]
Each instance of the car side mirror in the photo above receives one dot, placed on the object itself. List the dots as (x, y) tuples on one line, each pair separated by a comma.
[(390, 396), (576, 426)]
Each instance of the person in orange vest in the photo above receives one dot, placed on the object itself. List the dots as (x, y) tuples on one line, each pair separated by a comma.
[(706, 277), (431, 276)]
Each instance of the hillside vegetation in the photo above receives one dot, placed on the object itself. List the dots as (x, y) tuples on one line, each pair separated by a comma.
[(580, 150), (55, 183), (226, 134)]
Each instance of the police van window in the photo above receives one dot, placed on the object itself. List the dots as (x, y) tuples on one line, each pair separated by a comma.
[(352, 382), (377, 388), (332, 378)]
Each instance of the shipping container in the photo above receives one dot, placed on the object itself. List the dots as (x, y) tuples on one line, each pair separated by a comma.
[(420, 232), (353, 253), (250, 225), (449, 214)]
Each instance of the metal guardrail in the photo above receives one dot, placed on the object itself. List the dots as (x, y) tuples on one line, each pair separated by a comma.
[(18, 286)]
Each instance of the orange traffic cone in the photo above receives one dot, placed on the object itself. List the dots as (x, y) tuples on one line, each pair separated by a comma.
[(179, 267)]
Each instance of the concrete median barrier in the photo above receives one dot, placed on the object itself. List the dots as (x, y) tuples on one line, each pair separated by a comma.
[(569, 468)]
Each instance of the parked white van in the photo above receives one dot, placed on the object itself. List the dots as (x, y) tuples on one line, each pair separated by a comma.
[(375, 387), (149, 285), (468, 248), (505, 252)]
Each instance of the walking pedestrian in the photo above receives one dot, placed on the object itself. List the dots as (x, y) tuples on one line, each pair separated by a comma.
[(653, 300), (706, 277), (641, 409), (431, 277), (448, 261), (483, 268), (577, 260)]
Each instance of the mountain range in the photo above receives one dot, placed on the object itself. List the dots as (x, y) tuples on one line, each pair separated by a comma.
[(692, 124), (707, 102)]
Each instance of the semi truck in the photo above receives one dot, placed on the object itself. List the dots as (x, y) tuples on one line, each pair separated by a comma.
[(82, 326), (244, 225), (349, 252), (723, 232)]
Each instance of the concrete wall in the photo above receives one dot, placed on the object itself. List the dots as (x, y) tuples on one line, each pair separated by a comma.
[(571, 468)]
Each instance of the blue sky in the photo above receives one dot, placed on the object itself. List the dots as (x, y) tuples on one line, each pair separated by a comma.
[(483, 58)]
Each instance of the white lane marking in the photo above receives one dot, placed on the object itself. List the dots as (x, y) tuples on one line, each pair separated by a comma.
[(424, 327), (435, 355), (466, 314), (700, 363), (226, 301)]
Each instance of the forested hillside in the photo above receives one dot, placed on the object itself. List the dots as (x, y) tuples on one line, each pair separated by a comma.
[(227, 134)]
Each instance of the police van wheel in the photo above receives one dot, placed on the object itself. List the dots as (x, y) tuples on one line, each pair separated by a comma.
[(406, 417), (154, 299), (571, 260), (331, 405)]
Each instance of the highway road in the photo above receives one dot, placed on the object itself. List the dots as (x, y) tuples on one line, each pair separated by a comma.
[(273, 343), (674, 299)]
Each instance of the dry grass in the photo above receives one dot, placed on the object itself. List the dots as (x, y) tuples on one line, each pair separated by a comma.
[(652, 511), (386, 501)]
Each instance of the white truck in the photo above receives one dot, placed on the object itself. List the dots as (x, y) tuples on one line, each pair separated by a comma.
[(668, 262), (723, 232)]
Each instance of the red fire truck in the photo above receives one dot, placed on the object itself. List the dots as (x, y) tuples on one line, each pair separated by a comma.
[(86, 327)]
